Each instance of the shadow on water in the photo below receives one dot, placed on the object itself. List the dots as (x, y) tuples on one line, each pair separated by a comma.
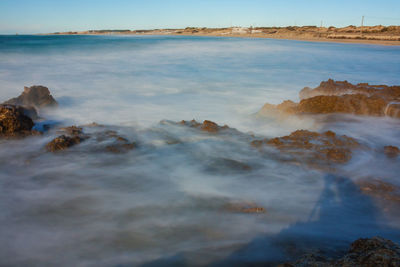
[(341, 215)]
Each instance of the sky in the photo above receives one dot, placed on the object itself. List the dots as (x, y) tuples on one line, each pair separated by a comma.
[(43, 16)]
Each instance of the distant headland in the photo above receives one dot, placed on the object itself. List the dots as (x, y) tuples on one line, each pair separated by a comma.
[(389, 35)]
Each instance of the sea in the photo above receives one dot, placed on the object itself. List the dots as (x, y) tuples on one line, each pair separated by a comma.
[(174, 203)]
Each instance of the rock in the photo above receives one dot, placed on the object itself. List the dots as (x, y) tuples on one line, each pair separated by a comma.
[(209, 126), (391, 151), (206, 126), (35, 96), (227, 166), (14, 122), (71, 136), (338, 88), (244, 207), (106, 140), (381, 190), (312, 146), (369, 252), (375, 251), (63, 142), (342, 97), (352, 104)]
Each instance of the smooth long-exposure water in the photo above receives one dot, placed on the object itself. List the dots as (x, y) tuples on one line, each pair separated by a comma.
[(170, 202)]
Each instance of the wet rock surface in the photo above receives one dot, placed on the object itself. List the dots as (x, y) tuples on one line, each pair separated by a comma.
[(312, 146), (14, 122), (63, 142), (36, 96), (377, 188), (206, 126), (342, 97), (104, 140), (391, 151), (338, 88), (367, 252), (72, 136), (244, 207)]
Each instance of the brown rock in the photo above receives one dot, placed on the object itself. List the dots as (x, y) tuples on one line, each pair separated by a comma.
[(34, 96), (375, 251), (352, 104), (391, 151), (244, 207), (206, 126), (14, 122), (342, 97), (380, 190), (63, 142), (368, 252), (315, 146), (210, 127)]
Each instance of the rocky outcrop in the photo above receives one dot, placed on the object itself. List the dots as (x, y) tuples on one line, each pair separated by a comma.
[(63, 142), (104, 140), (35, 96), (369, 252), (342, 97), (244, 207), (391, 151), (206, 126), (72, 136), (338, 88), (380, 190), (14, 122), (314, 147), (118, 144)]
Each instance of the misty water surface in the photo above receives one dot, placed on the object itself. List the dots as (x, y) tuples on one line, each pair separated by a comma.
[(166, 201)]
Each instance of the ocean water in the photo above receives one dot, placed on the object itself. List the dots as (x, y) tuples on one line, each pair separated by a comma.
[(166, 203)]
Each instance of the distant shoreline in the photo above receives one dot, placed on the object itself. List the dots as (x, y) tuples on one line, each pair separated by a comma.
[(376, 35)]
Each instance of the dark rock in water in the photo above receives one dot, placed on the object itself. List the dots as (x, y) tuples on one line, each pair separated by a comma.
[(63, 142), (244, 207), (74, 135), (206, 126), (369, 252), (381, 190), (14, 122), (313, 146), (342, 97), (391, 151), (71, 136), (35, 96)]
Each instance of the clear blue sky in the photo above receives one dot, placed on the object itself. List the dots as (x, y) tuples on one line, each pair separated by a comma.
[(39, 16)]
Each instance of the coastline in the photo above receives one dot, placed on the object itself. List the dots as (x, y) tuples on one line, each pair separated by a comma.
[(374, 35)]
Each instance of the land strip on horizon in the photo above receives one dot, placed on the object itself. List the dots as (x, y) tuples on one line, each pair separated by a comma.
[(386, 35)]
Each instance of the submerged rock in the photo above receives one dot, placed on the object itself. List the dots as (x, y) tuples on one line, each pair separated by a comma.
[(391, 151), (35, 96), (63, 142), (206, 126), (14, 122), (105, 140), (342, 97), (381, 190), (244, 207), (368, 252), (313, 146), (71, 136)]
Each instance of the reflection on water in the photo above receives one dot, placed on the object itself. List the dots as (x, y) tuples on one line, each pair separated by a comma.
[(170, 200)]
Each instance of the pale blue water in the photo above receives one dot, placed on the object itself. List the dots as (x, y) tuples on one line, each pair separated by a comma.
[(164, 204)]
